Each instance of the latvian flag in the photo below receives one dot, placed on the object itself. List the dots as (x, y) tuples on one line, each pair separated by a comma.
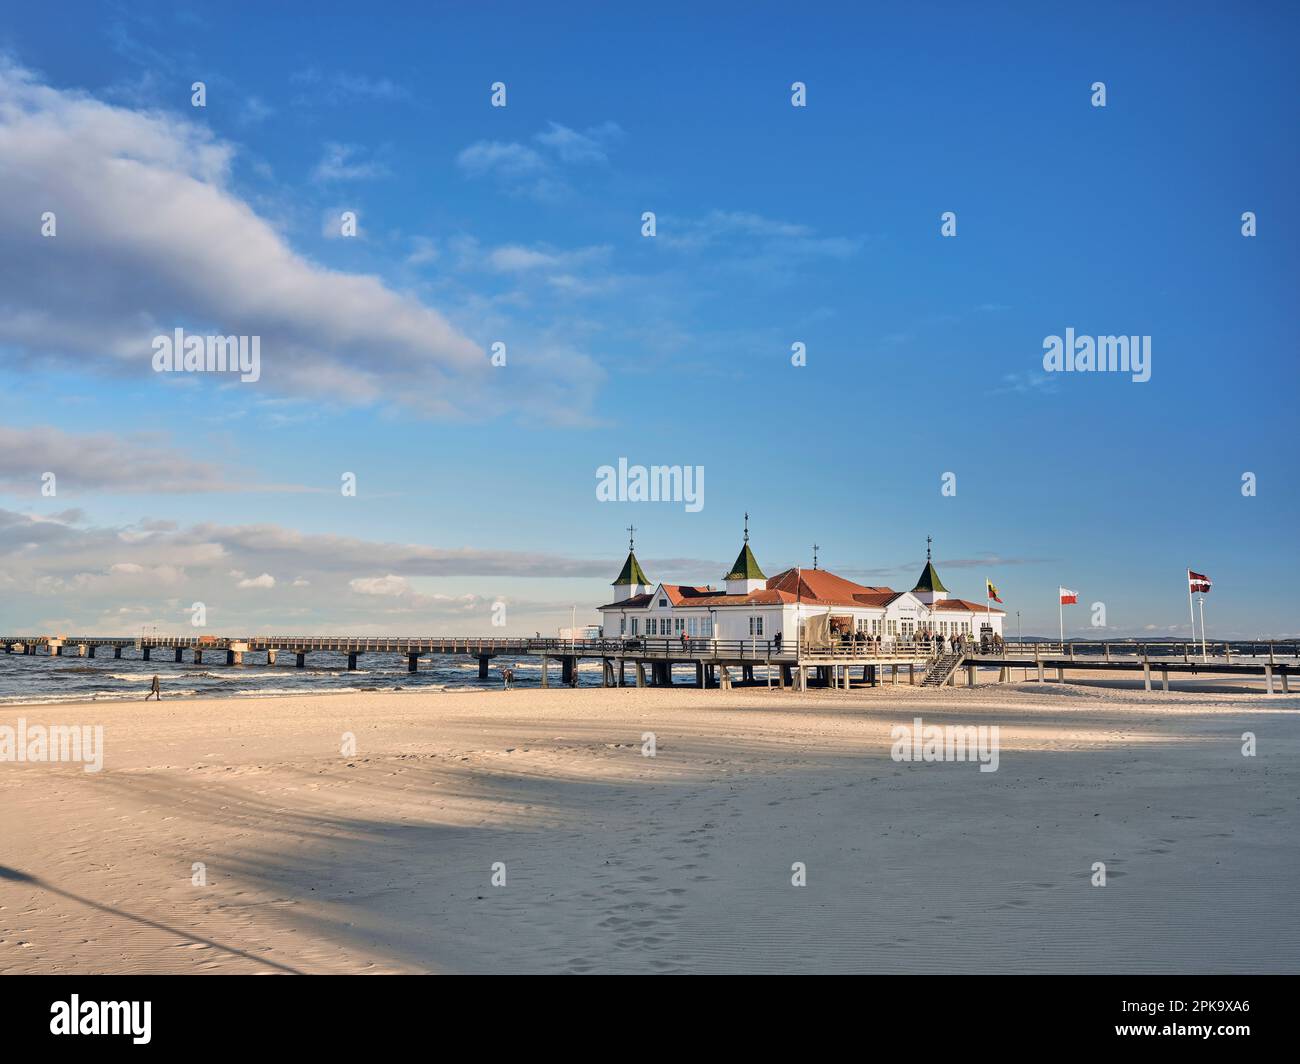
[(992, 591), (1068, 597), (1197, 581)]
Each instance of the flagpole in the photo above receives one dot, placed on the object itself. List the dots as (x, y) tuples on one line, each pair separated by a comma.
[(1204, 656), (1060, 609), (1190, 608)]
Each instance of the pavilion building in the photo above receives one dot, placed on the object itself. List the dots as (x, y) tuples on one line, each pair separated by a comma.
[(795, 603)]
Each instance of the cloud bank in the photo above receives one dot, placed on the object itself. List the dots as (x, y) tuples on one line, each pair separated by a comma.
[(151, 236)]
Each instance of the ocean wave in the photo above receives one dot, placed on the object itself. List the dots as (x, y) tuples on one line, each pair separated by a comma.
[(86, 696)]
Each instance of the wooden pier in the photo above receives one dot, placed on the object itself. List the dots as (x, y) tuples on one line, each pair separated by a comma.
[(720, 663), (1276, 662), (716, 663)]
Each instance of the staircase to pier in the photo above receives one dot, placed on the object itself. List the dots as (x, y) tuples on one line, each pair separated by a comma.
[(942, 668)]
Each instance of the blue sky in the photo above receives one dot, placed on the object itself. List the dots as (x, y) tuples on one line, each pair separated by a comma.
[(522, 224)]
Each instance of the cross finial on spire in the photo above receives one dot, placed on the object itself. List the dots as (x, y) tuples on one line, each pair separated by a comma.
[(927, 548), (746, 526), (815, 549), (631, 533)]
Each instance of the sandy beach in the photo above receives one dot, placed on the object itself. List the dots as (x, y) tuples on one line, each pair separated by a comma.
[(383, 861)]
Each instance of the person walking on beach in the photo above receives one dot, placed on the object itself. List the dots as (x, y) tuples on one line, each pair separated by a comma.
[(155, 690)]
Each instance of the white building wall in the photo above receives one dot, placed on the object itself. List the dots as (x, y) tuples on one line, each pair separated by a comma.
[(903, 617)]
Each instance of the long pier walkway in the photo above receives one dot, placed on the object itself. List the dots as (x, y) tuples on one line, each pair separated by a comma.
[(719, 663)]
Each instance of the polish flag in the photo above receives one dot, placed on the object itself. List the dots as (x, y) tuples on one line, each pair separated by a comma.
[(1198, 581), (1068, 597)]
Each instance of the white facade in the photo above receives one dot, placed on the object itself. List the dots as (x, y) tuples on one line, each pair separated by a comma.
[(762, 609)]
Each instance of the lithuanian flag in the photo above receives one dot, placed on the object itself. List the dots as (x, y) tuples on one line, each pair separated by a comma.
[(992, 591)]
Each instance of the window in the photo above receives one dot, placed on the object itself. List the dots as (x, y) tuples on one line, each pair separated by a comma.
[(663, 602), (636, 621), (622, 626), (679, 625), (756, 626)]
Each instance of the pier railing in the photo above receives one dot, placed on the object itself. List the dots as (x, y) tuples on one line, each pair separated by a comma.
[(1182, 650), (752, 650)]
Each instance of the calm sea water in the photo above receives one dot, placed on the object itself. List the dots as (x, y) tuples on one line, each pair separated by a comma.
[(26, 679)]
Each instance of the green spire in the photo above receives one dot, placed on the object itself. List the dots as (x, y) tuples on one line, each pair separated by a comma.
[(632, 572), (746, 567), (929, 580)]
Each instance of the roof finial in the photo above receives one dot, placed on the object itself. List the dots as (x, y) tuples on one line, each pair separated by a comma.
[(746, 526), (631, 533), (927, 548), (815, 549)]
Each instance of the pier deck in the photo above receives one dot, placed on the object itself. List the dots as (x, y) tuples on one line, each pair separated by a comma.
[(715, 661)]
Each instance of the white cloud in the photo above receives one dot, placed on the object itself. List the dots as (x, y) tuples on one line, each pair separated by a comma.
[(513, 258), (104, 461), (574, 147), (381, 585), (504, 159), (523, 170), (342, 87), (340, 163), (151, 236), (93, 576), (747, 229)]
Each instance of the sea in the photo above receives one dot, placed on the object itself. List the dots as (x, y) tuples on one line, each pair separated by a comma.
[(38, 680)]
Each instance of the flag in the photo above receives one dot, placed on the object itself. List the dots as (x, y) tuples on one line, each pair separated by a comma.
[(1198, 582), (992, 591), (1068, 597)]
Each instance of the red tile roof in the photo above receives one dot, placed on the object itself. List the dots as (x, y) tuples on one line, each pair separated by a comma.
[(813, 586), (818, 585), (681, 593), (963, 604)]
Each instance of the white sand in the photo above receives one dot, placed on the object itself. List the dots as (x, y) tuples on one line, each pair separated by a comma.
[(617, 862)]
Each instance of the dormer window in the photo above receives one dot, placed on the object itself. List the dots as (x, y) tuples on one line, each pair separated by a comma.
[(663, 602)]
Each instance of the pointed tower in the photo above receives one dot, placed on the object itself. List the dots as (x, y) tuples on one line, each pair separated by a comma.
[(631, 579), (745, 575), (929, 588)]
